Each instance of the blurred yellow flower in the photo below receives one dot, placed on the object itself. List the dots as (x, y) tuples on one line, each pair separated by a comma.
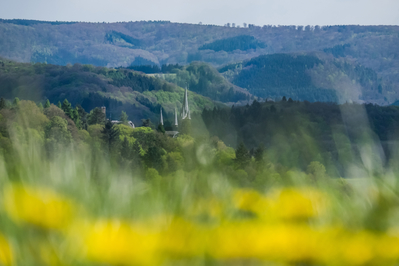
[(38, 206), (211, 207), (297, 203), (284, 204), (184, 239), (6, 257), (284, 243), (250, 200), (120, 243)]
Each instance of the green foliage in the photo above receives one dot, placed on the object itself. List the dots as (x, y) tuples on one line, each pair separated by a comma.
[(298, 133), (259, 154), (47, 104), (124, 118), (338, 50), (2, 103), (153, 158), (161, 129), (57, 130), (152, 69), (316, 171), (15, 102), (90, 87), (241, 42), (280, 75), (67, 108), (147, 123), (40, 105), (110, 135), (202, 78), (122, 39), (242, 156), (96, 116), (125, 149)]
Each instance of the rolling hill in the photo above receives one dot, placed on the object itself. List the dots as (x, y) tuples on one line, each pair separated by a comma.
[(310, 76), (139, 95), (163, 42)]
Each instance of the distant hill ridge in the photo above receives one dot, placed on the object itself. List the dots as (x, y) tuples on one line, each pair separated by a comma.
[(309, 76), (163, 42)]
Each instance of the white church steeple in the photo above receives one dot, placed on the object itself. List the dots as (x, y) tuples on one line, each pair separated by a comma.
[(185, 112)]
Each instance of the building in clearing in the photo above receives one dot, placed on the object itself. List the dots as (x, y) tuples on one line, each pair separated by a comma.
[(104, 109)]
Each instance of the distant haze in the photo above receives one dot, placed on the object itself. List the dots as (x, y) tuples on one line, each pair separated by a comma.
[(219, 12)]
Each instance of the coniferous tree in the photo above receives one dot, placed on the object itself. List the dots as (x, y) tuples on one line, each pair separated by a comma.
[(67, 108), (3, 103), (110, 134), (258, 154), (15, 102), (82, 116), (146, 122), (136, 154), (40, 105), (161, 129), (185, 127), (125, 149), (76, 118), (47, 104), (242, 156), (59, 104), (124, 118), (96, 116), (153, 158)]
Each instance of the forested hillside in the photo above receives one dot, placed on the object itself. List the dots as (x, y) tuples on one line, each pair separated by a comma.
[(312, 77), (201, 78), (140, 96), (162, 42), (296, 133)]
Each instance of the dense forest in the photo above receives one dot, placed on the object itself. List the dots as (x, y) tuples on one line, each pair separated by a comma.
[(296, 133), (241, 42), (140, 96), (162, 42), (312, 77)]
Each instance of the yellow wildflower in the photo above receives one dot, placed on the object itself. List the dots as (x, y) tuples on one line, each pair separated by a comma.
[(184, 239), (250, 240), (6, 257), (38, 206), (211, 207), (296, 203), (282, 204), (120, 243), (250, 200)]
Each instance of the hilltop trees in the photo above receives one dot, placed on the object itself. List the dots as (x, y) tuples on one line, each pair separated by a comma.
[(96, 116), (242, 156), (110, 134), (124, 118), (47, 104), (3, 103)]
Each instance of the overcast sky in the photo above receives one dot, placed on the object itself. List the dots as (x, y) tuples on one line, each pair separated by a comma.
[(219, 12)]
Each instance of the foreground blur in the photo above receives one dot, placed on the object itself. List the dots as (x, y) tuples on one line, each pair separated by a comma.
[(78, 203), (287, 225)]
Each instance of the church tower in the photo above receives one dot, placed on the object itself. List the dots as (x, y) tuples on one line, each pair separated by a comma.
[(185, 112), (176, 124), (161, 119)]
